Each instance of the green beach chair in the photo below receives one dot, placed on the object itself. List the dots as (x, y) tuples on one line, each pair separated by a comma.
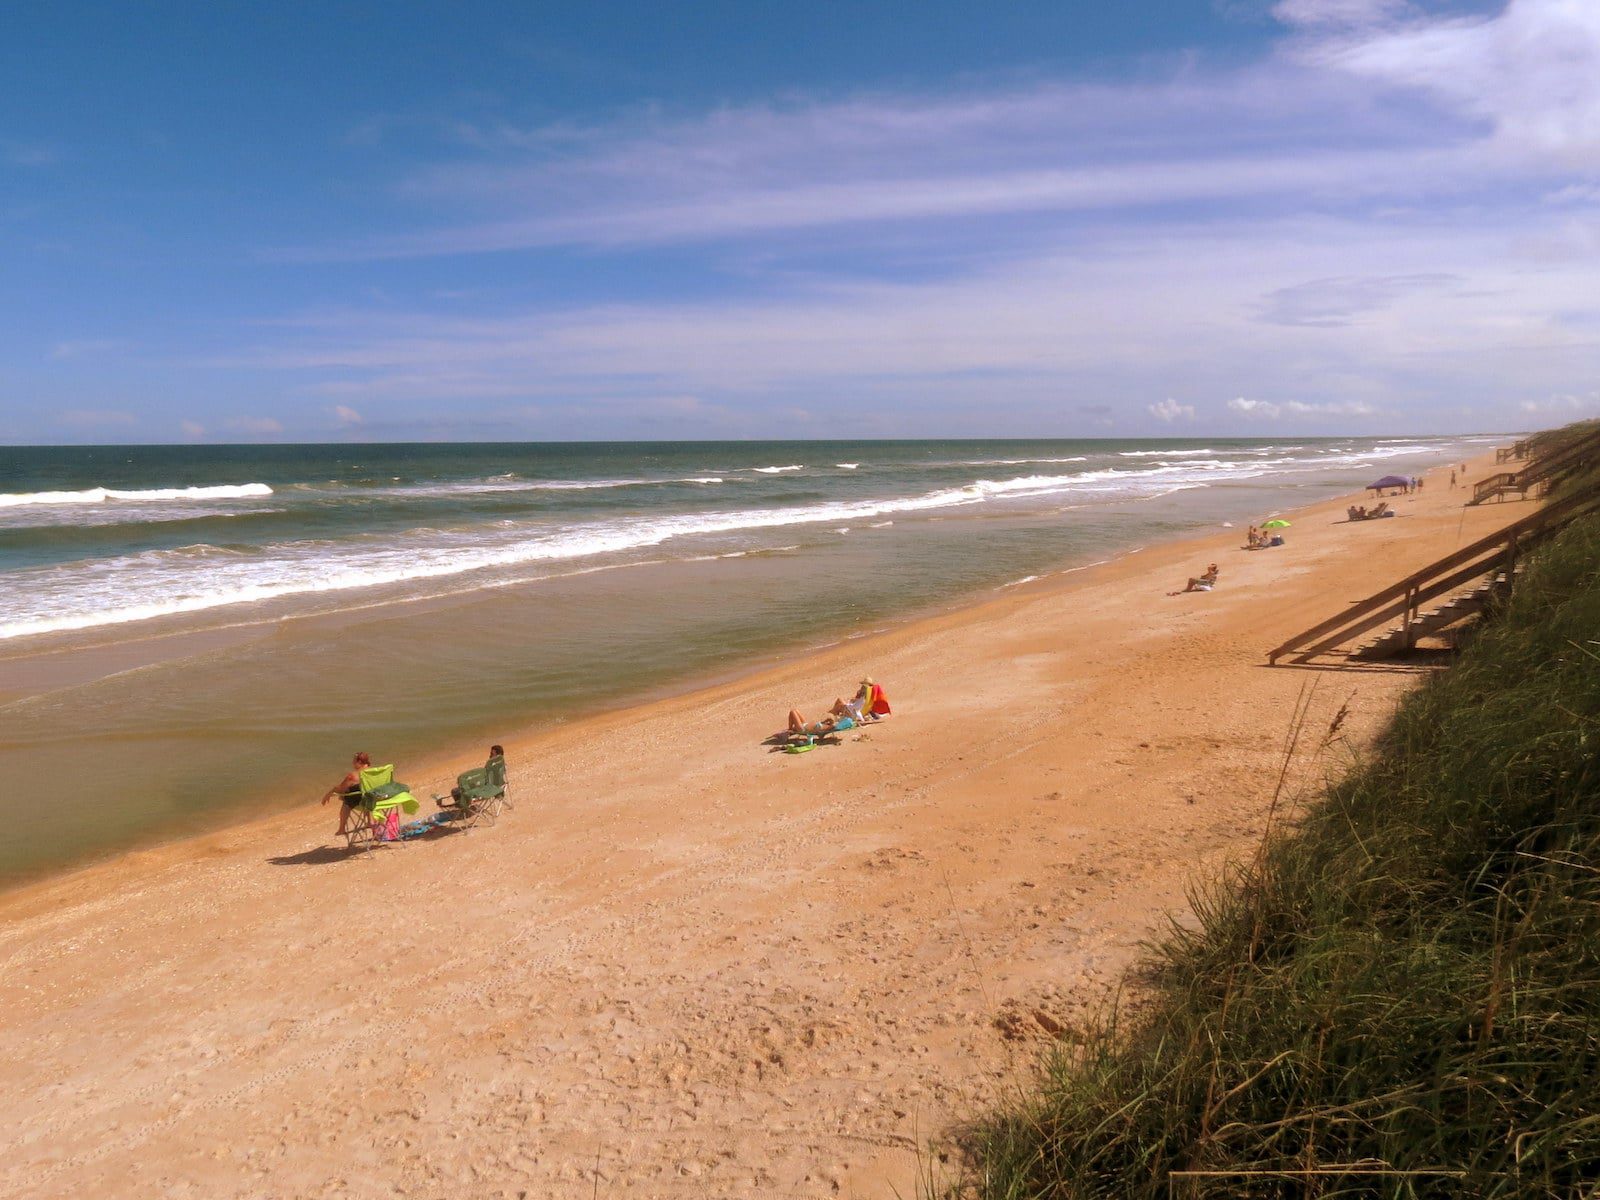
[(381, 795), (480, 793)]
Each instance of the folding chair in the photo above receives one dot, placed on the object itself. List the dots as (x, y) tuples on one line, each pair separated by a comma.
[(381, 796)]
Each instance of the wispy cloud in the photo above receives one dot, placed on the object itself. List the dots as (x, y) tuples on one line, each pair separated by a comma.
[(84, 347), (1340, 301), (1392, 208)]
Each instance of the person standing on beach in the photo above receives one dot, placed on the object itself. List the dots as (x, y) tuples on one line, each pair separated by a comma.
[(1452, 479), (348, 790)]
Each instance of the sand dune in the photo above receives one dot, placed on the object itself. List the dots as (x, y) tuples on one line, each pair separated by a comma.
[(684, 965)]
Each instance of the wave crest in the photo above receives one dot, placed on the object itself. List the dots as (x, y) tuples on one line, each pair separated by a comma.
[(100, 495)]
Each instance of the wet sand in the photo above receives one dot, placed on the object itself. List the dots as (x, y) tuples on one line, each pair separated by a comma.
[(684, 965)]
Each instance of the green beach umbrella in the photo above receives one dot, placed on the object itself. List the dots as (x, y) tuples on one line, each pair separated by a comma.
[(1280, 523)]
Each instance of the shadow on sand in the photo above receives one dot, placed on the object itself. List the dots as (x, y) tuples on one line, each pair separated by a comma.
[(321, 856)]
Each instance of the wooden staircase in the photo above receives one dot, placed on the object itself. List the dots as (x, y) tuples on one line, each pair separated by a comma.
[(1402, 638), (1506, 453), (1537, 476), (1469, 579)]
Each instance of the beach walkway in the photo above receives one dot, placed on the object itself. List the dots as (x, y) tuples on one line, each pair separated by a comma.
[(684, 965)]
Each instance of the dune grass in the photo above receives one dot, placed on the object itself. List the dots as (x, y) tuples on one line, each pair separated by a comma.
[(1400, 996)]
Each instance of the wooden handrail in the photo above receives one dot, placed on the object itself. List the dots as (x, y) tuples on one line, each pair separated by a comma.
[(1568, 455), (1426, 583), (1493, 483), (1542, 469), (1410, 601)]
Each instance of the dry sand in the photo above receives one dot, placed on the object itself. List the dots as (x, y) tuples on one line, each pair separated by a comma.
[(684, 965)]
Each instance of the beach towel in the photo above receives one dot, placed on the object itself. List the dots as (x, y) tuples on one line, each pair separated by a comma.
[(391, 826), (878, 702)]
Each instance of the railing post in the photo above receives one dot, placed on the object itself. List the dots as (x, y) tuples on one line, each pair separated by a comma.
[(1411, 616)]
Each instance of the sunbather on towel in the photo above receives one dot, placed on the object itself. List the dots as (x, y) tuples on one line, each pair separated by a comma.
[(832, 723), (348, 789)]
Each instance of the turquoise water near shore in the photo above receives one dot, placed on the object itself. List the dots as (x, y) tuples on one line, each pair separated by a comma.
[(188, 634)]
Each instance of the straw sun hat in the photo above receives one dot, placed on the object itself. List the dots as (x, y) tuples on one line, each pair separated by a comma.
[(868, 680)]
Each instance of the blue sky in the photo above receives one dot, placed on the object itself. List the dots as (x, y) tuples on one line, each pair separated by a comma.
[(231, 222)]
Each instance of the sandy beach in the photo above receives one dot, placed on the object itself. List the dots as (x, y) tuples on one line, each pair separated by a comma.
[(684, 965)]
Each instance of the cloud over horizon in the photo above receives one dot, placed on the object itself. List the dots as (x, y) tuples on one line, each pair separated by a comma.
[(1388, 219)]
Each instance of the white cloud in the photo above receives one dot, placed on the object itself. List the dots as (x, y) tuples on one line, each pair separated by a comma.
[(347, 416), (1532, 71), (1566, 404), (192, 430), (1393, 208), (1325, 14), (81, 347), (1300, 408), (1170, 410), (1254, 408)]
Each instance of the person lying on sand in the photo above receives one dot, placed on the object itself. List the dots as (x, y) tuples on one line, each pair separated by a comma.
[(832, 723), (1203, 583), (348, 789)]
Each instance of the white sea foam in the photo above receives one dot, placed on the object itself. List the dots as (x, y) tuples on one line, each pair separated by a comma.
[(101, 495), (161, 582), (778, 470), (1022, 462), (152, 583), (847, 466)]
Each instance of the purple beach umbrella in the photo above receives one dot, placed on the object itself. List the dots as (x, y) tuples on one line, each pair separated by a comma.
[(1389, 481)]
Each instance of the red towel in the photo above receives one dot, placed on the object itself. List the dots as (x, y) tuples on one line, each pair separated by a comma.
[(878, 703)]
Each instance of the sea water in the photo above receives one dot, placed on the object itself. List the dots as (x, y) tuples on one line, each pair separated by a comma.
[(191, 634)]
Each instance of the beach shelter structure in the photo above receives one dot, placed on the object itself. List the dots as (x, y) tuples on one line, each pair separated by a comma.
[(1389, 481)]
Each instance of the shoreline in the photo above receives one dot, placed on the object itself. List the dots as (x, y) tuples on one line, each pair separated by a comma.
[(438, 758), (716, 971)]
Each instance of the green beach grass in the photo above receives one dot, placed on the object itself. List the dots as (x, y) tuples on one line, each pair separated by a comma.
[(1400, 995)]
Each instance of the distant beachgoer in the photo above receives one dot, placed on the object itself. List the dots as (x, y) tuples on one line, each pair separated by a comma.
[(348, 789), (1452, 479), (1420, 481), (1252, 540)]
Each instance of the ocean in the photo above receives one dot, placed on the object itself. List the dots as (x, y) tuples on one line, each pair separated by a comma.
[(193, 634)]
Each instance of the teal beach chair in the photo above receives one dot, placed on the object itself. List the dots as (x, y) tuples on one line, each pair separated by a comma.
[(480, 794)]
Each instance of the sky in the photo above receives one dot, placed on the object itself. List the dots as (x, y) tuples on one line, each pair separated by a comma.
[(229, 222)]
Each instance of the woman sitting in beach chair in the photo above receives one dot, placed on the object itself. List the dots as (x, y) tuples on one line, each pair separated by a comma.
[(871, 703), (371, 803), (480, 793)]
